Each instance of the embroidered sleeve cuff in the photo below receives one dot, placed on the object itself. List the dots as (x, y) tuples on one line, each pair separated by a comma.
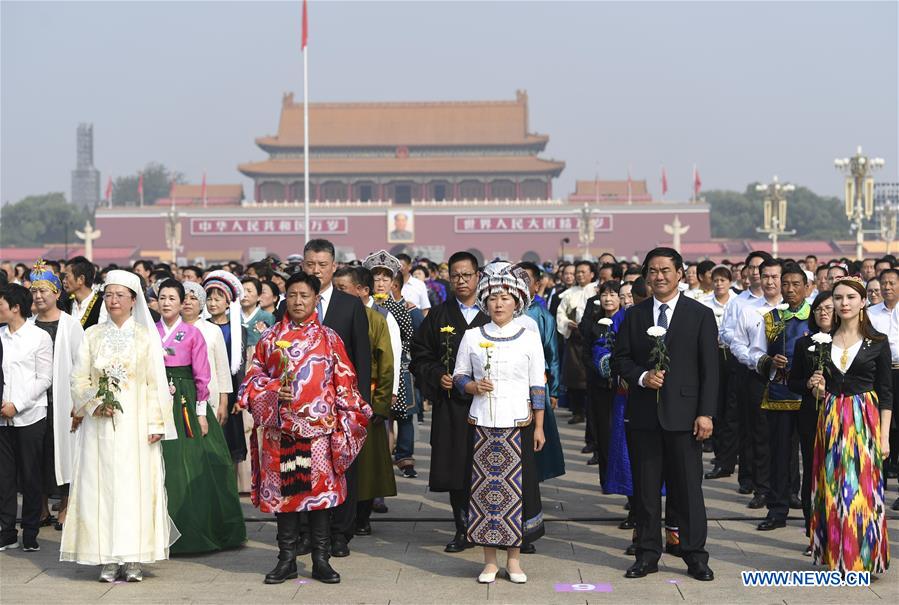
[(460, 381), (538, 397), (201, 409)]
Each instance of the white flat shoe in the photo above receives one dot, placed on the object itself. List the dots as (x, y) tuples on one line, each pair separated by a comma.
[(517, 578), (487, 578)]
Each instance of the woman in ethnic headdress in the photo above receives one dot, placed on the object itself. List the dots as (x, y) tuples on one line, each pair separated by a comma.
[(848, 518), (310, 424), (200, 480), (117, 513), (223, 294), (502, 366), (66, 333)]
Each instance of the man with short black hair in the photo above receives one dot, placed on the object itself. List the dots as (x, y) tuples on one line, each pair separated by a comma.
[(28, 373), (414, 290), (85, 302), (143, 268), (434, 349), (669, 412)]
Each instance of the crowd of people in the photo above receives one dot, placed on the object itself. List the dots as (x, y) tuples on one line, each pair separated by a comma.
[(146, 399)]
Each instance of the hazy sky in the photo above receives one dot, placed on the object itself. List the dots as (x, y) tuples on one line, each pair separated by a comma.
[(745, 90)]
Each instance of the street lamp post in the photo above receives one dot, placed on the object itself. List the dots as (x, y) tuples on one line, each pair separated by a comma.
[(888, 212), (859, 189), (775, 224)]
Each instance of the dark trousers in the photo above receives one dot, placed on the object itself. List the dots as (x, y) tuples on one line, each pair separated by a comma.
[(806, 425), (781, 426), (674, 457), (599, 411), (22, 454), (576, 401), (758, 456), (720, 420), (731, 431), (795, 480)]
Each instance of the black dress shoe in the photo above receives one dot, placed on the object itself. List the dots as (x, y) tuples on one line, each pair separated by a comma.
[(744, 490), (378, 506), (576, 419), (594, 459), (701, 572), (795, 502), (458, 544), (631, 550), (339, 546), (896, 504), (363, 529), (628, 524), (718, 473), (708, 447), (641, 569), (588, 449), (528, 548), (758, 501), (769, 524)]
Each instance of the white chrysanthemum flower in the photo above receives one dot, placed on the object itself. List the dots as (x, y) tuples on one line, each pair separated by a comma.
[(782, 307), (605, 321), (597, 302), (822, 338), (812, 348), (656, 331), (116, 371)]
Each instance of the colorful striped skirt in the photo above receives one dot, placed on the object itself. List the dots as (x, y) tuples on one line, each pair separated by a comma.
[(848, 517), (504, 508)]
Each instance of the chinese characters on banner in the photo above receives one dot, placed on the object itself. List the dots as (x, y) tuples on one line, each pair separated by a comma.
[(267, 226), (524, 224)]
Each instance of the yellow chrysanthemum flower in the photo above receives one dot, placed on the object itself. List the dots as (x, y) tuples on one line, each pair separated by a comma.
[(282, 344), (486, 345), (448, 330)]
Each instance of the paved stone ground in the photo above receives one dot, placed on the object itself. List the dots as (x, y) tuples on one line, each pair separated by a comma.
[(403, 561)]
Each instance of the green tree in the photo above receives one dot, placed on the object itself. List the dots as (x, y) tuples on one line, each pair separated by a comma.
[(736, 215), (40, 219), (157, 184)]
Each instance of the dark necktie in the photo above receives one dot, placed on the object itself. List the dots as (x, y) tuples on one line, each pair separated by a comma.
[(663, 316)]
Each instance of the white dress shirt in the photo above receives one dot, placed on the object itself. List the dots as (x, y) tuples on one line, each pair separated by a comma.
[(886, 322), (325, 296), (416, 292), (656, 310), (27, 372), (80, 308), (732, 315), (749, 341), (469, 313), (718, 309)]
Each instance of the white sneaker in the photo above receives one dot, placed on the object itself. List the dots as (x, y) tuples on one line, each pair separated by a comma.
[(109, 572), (133, 572), (9, 544)]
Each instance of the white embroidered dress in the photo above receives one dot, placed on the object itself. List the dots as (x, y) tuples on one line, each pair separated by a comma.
[(117, 506)]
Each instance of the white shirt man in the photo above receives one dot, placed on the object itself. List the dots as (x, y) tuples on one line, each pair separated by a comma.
[(27, 372), (886, 321), (416, 292)]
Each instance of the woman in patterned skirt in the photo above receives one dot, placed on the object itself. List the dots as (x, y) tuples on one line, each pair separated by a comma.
[(501, 364), (848, 522)]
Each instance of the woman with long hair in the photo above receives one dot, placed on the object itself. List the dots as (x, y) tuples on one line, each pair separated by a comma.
[(848, 516)]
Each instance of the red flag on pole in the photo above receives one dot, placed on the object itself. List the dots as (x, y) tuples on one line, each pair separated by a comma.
[(664, 182), (203, 189), (140, 188), (109, 191), (305, 26), (697, 183)]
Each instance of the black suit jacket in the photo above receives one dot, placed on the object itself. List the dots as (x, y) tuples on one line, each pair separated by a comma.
[(691, 383), (346, 316)]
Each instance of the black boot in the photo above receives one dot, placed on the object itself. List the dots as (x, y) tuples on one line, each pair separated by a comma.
[(460, 540), (304, 545), (320, 528), (288, 533)]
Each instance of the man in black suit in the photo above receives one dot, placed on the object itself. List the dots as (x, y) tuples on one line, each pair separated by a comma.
[(345, 315), (669, 412)]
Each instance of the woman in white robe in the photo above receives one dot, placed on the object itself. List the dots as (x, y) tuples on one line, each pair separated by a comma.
[(117, 505)]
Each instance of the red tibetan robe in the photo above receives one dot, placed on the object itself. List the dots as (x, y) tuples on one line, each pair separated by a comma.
[(327, 409)]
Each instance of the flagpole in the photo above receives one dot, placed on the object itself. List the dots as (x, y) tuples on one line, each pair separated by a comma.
[(693, 185), (306, 143)]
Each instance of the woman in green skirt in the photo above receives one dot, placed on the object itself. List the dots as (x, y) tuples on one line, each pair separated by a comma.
[(199, 473)]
